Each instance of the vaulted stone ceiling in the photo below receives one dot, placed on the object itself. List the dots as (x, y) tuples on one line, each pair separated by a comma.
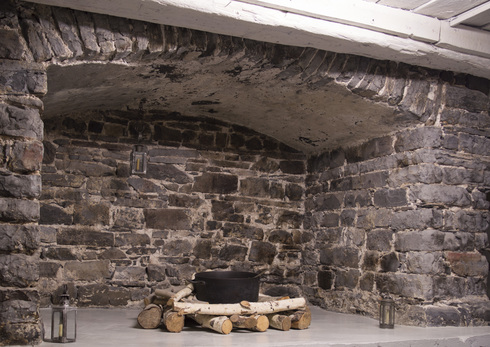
[(305, 115), (309, 99)]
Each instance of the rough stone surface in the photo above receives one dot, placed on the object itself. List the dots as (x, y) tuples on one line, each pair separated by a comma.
[(405, 213)]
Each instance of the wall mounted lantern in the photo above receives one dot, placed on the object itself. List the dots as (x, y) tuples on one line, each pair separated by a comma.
[(386, 312), (139, 160), (64, 320)]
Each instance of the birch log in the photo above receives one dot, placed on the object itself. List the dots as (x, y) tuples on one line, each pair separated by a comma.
[(265, 307), (150, 317), (243, 322), (221, 324), (279, 321), (301, 319), (173, 321), (184, 292)]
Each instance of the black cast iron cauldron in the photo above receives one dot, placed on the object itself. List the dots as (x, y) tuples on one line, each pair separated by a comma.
[(226, 287)]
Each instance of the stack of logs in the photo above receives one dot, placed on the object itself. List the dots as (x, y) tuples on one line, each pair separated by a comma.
[(171, 308)]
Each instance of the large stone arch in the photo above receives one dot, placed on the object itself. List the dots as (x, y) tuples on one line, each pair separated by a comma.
[(42, 41)]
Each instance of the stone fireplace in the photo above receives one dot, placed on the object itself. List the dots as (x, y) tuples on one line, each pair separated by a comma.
[(394, 201)]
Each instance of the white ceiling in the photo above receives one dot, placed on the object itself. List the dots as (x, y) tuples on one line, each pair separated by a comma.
[(432, 34), (473, 13)]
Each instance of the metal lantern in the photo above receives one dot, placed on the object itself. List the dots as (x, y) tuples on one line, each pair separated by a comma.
[(386, 312), (139, 160), (64, 321)]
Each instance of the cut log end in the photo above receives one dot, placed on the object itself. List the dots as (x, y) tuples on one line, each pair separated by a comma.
[(226, 327), (150, 317)]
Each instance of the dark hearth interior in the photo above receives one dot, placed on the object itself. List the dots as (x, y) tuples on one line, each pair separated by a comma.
[(341, 177)]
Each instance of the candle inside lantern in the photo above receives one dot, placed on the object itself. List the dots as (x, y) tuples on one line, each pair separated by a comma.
[(386, 312)]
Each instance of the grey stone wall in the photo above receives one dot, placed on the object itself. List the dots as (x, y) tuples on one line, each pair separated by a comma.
[(21, 151), (406, 214), (215, 196)]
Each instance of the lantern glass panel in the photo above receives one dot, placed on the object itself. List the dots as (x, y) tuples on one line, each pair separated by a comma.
[(387, 314), (63, 324)]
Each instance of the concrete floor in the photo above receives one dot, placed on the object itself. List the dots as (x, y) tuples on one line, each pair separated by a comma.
[(118, 327)]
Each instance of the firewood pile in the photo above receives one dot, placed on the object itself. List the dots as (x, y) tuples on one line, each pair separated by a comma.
[(169, 309)]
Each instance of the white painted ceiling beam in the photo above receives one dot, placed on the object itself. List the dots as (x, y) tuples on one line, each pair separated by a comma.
[(308, 24)]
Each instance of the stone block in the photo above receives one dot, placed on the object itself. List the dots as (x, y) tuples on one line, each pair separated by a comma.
[(446, 287), (20, 317), (155, 272), (366, 282), (290, 219), (424, 137), (102, 295), (129, 218), (370, 180), (443, 316), (389, 262), (58, 180), (346, 279), (256, 187), (129, 275), (370, 261), (92, 214), (408, 285), (20, 186), (233, 252), (242, 231), (49, 269), (54, 214), (163, 218), (19, 211), (89, 169), (390, 197), (281, 236), (425, 262), (292, 167), (133, 239), (460, 241), (471, 100), (19, 270), (22, 78), (476, 221), (27, 157), (262, 252), (84, 237), (358, 198), (474, 144), (19, 238), (13, 45), (426, 240), (340, 256), (440, 195), (325, 202), (187, 201), (412, 219), (58, 254), (21, 122), (379, 239), (225, 211), (87, 271), (266, 164), (202, 249), (142, 185), (374, 148), (422, 173), (326, 279), (467, 263), (176, 248), (215, 183)]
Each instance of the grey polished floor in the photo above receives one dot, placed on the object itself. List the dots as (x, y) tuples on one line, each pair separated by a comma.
[(118, 327)]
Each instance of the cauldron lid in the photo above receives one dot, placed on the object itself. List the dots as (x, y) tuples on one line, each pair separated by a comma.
[(225, 275)]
